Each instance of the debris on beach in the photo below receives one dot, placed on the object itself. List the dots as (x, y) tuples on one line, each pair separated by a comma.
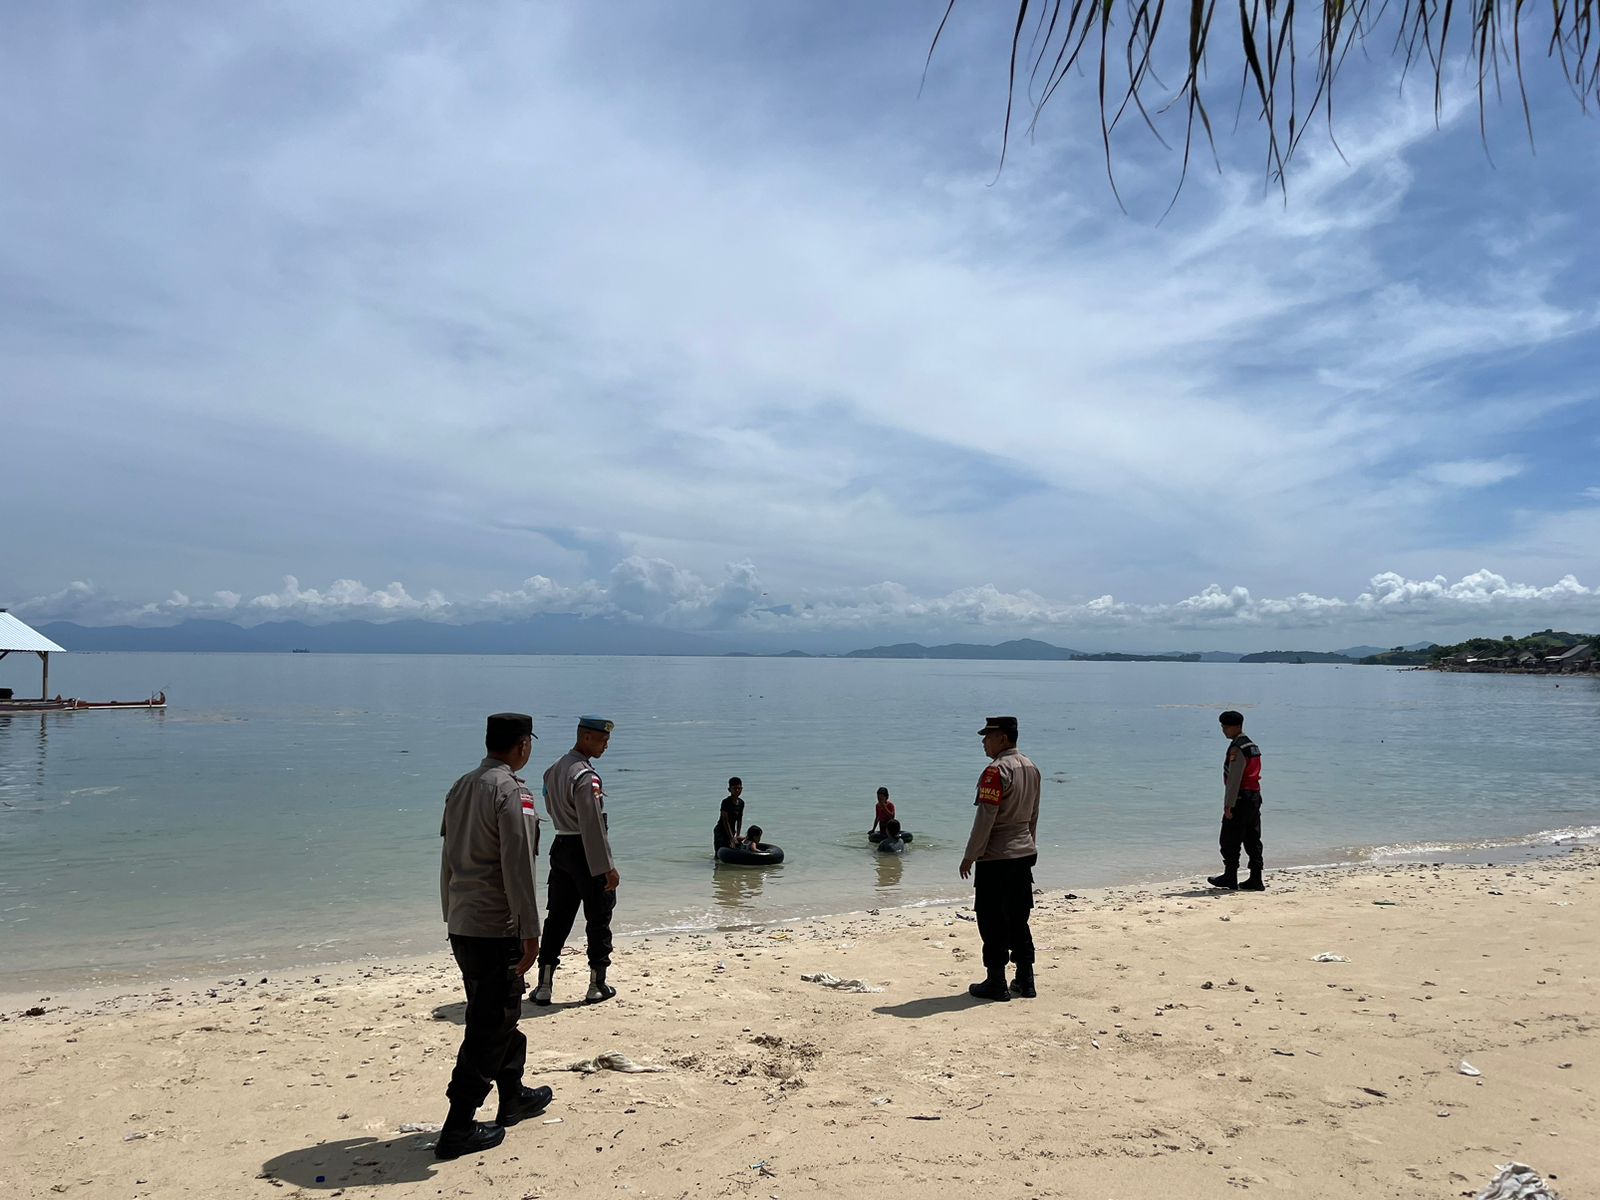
[(612, 1061), (1517, 1181), (839, 985), (1330, 958), (1467, 1068), (420, 1127)]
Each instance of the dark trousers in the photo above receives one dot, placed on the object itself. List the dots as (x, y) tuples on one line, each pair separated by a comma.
[(572, 885), (1242, 830), (492, 1048), (1003, 901)]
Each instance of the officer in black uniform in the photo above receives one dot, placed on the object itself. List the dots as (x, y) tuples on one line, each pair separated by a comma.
[(486, 885)]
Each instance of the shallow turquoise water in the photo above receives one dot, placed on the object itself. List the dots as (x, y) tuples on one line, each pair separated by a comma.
[(285, 808)]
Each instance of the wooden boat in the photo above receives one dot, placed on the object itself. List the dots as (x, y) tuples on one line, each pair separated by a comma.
[(73, 704)]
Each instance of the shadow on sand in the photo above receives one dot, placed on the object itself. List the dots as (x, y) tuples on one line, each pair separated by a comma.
[(456, 1013), (356, 1162), (913, 1010)]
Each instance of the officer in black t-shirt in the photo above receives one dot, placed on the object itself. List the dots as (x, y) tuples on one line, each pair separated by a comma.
[(731, 820)]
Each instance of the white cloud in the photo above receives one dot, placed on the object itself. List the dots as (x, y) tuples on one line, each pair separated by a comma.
[(658, 593), (1473, 473)]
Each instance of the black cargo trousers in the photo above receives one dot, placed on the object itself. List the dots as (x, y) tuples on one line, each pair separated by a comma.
[(1003, 903), (1242, 831)]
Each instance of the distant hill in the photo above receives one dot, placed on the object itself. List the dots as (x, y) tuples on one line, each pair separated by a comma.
[(1020, 649), (1369, 651), (552, 633), (1116, 657), (1297, 656)]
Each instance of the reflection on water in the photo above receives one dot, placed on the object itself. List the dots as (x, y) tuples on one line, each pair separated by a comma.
[(738, 887), (890, 868), (22, 752)]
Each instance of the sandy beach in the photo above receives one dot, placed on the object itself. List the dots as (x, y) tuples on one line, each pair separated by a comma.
[(1184, 1044)]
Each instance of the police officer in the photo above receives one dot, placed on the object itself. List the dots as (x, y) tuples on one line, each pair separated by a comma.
[(1004, 846), (581, 869), (491, 839), (1241, 808)]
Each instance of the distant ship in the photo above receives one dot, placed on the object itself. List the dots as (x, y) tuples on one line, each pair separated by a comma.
[(299, 651)]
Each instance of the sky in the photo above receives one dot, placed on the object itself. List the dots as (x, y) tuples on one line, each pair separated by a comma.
[(721, 317)]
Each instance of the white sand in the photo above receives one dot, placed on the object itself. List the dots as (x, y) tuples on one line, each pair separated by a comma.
[(1127, 1077)]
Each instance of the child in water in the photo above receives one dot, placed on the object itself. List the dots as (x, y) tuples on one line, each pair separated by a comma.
[(752, 838), (883, 813)]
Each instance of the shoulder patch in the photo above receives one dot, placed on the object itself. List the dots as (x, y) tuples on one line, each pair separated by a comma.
[(990, 786)]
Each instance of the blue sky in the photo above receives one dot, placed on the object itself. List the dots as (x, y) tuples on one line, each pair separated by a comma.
[(700, 315)]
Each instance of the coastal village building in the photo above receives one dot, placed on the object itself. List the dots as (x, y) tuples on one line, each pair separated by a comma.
[(1577, 658)]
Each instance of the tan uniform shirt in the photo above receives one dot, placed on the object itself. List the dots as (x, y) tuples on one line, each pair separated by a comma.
[(1006, 824), (491, 838), (576, 802)]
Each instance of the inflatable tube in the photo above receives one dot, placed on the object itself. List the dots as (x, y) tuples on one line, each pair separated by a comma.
[(876, 836), (892, 846), (742, 856)]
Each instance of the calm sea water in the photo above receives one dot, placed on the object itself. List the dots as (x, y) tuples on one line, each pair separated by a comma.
[(285, 809)]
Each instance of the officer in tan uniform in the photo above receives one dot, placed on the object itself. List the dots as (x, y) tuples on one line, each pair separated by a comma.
[(486, 885), (581, 868), (1004, 847)]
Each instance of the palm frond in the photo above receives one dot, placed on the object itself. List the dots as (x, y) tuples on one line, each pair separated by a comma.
[(1284, 92)]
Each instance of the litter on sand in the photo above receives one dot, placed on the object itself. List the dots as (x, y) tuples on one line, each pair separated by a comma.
[(1467, 1068), (420, 1127), (1330, 958), (839, 985), (611, 1061), (1517, 1181)]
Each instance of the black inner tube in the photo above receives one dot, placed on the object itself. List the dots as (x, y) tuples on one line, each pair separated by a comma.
[(742, 856)]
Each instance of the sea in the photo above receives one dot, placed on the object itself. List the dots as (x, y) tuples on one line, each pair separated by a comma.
[(284, 809)]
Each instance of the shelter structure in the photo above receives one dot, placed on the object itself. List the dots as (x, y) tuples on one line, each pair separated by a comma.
[(16, 637)]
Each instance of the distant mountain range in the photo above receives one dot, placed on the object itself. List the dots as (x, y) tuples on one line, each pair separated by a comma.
[(1368, 651), (566, 633), (555, 633), (1021, 648)]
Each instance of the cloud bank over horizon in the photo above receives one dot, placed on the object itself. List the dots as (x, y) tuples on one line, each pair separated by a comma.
[(653, 592)]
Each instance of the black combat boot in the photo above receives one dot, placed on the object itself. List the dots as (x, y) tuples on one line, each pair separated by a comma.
[(1255, 883), (599, 989), (547, 978), (1228, 881), (1022, 985), (522, 1103), (992, 988), (468, 1139)]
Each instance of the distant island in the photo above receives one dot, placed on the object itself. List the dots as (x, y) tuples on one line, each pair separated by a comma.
[(1025, 649), (568, 633), (1190, 657)]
